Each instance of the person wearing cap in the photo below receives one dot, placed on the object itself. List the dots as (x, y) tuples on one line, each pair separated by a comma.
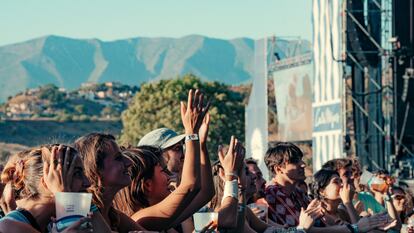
[(172, 146)]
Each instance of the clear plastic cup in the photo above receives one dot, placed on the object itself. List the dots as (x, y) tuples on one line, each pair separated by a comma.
[(366, 176), (203, 219), (70, 207), (378, 184)]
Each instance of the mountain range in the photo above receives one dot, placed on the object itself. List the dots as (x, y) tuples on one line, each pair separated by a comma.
[(68, 62)]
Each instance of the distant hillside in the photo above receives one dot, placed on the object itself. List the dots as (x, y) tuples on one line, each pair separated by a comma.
[(32, 133), (92, 101), (68, 62)]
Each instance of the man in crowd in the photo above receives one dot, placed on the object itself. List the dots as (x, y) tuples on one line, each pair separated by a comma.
[(285, 200), (344, 168), (260, 181), (171, 145)]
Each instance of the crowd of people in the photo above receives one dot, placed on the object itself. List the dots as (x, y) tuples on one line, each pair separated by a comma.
[(159, 184)]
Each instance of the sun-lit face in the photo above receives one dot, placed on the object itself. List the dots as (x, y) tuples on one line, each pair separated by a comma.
[(116, 167), (293, 171)]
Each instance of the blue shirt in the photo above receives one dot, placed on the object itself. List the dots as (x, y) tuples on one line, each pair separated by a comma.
[(370, 202), (16, 216)]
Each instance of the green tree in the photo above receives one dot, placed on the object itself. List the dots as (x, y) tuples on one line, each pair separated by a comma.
[(158, 105), (51, 92)]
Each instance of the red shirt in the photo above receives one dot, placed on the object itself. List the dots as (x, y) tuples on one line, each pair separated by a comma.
[(284, 208)]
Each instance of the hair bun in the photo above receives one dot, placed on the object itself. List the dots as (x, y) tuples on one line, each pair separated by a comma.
[(14, 173), (18, 175)]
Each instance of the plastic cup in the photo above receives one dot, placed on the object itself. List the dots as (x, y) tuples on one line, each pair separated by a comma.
[(366, 176), (378, 184), (70, 207), (263, 207), (203, 219)]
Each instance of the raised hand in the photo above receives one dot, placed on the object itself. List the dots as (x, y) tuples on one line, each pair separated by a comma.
[(58, 172), (345, 193), (203, 132), (193, 113), (233, 161), (241, 152)]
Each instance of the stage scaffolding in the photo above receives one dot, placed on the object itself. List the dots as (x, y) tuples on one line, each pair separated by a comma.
[(371, 83)]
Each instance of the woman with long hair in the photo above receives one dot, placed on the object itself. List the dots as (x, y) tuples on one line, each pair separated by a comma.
[(148, 200), (108, 171)]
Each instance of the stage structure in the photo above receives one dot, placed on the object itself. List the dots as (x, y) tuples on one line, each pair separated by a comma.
[(266, 60), (363, 86), (328, 95), (256, 111), (363, 56), (379, 56), (366, 58), (293, 78)]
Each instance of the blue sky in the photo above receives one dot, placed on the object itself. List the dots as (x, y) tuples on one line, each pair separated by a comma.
[(109, 20)]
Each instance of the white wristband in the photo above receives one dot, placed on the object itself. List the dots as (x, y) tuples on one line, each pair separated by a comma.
[(230, 189), (191, 137)]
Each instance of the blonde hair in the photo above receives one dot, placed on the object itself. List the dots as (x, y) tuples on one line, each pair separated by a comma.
[(25, 169)]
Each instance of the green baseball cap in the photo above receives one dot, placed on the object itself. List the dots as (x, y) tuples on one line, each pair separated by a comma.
[(162, 138)]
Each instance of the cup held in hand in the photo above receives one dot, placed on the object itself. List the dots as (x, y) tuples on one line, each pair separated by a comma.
[(203, 219), (70, 207)]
